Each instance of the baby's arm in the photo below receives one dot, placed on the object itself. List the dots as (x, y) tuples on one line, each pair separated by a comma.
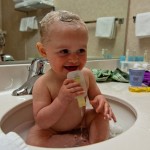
[(47, 111), (97, 100), (101, 105)]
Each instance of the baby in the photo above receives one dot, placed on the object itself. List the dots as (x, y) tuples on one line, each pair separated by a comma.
[(64, 38)]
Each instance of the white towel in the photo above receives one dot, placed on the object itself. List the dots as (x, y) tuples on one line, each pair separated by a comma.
[(32, 23), (23, 25), (12, 141), (142, 25), (105, 27), (28, 24)]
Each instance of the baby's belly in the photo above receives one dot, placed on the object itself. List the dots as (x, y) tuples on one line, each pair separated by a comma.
[(71, 119)]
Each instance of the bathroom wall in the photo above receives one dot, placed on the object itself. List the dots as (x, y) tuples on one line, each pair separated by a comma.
[(91, 10), (22, 45), (15, 41), (133, 42)]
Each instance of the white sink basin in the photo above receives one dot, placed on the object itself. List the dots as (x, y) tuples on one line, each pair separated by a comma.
[(20, 118)]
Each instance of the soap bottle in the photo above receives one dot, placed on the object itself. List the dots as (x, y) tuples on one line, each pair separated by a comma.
[(134, 55), (127, 54), (145, 56)]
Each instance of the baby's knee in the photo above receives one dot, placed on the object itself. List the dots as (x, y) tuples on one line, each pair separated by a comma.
[(37, 141), (100, 121), (100, 116), (92, 116)]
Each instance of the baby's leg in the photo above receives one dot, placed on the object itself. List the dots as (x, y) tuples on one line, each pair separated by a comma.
[(38, 137), (49, 138), (66, 141), (98, 126)]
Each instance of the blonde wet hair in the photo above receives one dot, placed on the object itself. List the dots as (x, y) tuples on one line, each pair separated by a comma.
[(61, 16)]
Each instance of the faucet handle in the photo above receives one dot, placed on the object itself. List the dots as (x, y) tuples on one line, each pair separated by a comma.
[(37, 67)]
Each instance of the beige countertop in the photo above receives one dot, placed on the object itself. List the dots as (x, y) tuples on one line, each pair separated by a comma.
[(135, 138)]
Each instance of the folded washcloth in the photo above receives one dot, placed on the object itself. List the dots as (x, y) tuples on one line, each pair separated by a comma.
[(120, 76), (142, 26), (105, 27), (102, 75), (108, 75), (12, 141)]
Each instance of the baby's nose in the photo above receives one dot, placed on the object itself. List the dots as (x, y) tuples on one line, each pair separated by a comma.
[(73, 58)]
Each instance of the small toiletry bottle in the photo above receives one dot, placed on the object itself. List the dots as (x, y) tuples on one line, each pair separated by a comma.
[(145, 56), (127, 54), (78, 77), (103, 53), (134, 55)]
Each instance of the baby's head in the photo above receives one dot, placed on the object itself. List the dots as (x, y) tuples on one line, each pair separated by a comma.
[(62, 17), (64, 38)]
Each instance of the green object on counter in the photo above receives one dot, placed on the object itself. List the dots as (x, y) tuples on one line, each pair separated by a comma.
[(109, 75)]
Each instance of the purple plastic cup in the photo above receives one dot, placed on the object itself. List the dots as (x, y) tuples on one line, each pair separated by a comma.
[(136, 76)]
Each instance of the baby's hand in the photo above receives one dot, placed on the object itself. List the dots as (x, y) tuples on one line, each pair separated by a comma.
[(69, 90), (100, 105)]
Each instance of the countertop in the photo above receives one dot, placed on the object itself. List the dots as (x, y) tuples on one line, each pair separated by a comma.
[(135, 138)]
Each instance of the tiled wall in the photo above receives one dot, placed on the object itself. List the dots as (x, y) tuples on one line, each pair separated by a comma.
[(22, 45)]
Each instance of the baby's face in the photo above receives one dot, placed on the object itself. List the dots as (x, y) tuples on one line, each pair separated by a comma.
[(67, 49)]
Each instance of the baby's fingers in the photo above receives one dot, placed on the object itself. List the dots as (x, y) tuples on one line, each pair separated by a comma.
[(114, 117), (108, 113)]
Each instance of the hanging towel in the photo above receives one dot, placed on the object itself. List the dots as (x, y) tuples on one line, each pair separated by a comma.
[(106, 27), (23, 25), (12, 141), (142, 25), (28, 24), (32, 23)]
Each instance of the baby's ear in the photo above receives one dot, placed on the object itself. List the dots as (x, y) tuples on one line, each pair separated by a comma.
[(41, 49)]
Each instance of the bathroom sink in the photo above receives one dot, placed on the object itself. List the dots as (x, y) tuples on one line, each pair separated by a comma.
[(20, 118)]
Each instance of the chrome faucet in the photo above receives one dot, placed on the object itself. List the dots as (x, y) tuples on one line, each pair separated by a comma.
[(6, 57), (36, 69)]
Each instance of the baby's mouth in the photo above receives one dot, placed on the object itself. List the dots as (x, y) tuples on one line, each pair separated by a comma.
[(71, 68)]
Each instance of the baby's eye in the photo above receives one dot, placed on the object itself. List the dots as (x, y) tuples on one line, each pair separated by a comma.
[(64, 52), (81, 51)]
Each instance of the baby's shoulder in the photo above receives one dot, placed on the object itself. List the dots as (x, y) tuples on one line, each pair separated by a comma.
[(42, 80), (87, 72)]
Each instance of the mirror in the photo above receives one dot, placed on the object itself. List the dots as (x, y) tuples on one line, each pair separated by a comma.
[(21, 45)]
